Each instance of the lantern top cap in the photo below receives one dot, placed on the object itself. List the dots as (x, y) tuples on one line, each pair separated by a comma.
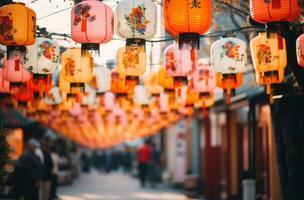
[(10, 3)]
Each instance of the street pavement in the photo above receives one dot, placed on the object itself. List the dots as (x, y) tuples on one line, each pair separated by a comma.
[(115, 186)]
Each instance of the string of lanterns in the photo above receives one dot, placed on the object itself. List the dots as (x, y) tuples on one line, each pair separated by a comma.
[(98, 107)]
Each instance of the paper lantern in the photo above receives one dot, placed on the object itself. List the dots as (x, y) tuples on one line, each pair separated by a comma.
[(118, 85), (163, 103), (192, 97), (164, 80), (77, 68), (274, 11), (92, 24), (204, 82), (179, 63), (269, 58), (228, 60), (136, 21), (207, 101), (187, 19), (64, 86), (300, 50), (40, 86), (103, 79), (23, 97), (109, 101), (17, 26), (53, 97), (204, 77), (152, 85), (131, 62), (42, 58), (13, 70), (141, 96)]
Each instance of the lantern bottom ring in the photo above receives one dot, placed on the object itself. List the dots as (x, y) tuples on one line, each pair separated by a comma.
[(136, 42), (92, 47), (192, 39)]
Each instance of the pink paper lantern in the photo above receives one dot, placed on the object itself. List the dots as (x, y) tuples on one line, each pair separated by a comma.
[(300, 50), (109, 101), (204, 77), (13, 70), (179, 63), (92, 24)]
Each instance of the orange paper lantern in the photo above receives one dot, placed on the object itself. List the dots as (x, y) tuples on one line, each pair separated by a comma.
[(264, 11), (187, 19), (17, 26)]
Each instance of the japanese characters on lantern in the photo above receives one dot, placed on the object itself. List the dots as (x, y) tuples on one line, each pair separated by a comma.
[(92, 24)]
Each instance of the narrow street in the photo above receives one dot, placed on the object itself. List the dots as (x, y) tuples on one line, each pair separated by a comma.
[(115, 186)]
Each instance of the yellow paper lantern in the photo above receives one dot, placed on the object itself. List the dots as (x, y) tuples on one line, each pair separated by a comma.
[(269, 58)]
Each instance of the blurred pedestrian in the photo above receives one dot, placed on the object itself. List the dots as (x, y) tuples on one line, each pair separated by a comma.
[(154, 167), (144, 156), (55, 172), (47, 170), (28, 172)]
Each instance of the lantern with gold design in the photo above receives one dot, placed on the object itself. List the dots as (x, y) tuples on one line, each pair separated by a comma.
[(131, 63), (229, 60), (269, 58), (77, 69)]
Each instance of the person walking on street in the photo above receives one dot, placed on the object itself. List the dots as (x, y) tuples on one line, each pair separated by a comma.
[(47, 171), (144, 156), (28, 172), (154, 167)]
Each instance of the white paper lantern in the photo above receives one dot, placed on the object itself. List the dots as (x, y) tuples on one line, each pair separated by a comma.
[(42, 57), (53, 97), (103, 79), (136, 19), (229, 55), (141, 95)]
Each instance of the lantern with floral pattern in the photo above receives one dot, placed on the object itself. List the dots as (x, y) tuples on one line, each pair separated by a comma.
[(269, 58), (152, 85), (42, 58), (17, 27), (229, 60), (136, 21), (92, 24)]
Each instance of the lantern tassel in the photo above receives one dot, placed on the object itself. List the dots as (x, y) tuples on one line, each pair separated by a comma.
[(83, 25), (17, 64)]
